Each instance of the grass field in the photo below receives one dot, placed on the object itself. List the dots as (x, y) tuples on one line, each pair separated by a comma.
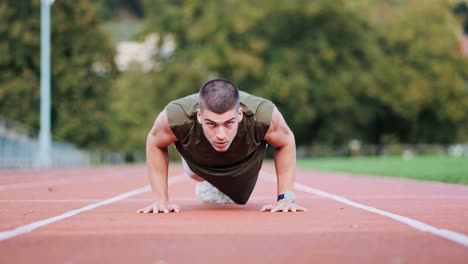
[(434, 168)]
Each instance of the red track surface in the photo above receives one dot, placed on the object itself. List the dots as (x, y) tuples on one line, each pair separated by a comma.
[(330, 232)]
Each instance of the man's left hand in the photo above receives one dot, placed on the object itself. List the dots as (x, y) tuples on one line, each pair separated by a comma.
[(283, 206)]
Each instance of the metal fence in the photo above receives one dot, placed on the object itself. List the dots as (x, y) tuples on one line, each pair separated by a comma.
[(22, 153), (19, 148)]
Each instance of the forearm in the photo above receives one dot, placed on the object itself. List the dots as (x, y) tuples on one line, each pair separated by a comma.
[(157, 160), (285, 165)]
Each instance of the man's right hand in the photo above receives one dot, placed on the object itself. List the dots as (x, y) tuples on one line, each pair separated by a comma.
[(160, 207)]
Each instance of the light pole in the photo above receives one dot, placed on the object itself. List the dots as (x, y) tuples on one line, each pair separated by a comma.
[(44, 158)]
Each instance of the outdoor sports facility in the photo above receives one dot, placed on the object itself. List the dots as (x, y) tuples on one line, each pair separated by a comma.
[(162, 132), (89, 216)]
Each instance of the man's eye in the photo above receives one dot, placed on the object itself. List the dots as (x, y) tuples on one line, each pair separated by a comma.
[(210, 124)]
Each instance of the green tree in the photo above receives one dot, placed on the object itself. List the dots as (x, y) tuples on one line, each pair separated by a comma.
[(368, 69), (81, 64), (111, 9), (134, 106), (419, 85), (461, 10), (302, 55)]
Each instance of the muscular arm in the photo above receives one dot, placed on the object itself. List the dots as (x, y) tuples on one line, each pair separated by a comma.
[(282, 139), (157, 159)]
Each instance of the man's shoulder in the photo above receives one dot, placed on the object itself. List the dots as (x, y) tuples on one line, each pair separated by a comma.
[(182, 109), (259, 107), (188, 104)]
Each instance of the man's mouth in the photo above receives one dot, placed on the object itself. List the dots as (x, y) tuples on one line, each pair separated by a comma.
[(220, 144)]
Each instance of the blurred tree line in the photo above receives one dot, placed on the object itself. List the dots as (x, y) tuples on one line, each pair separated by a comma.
[(121, 19), (379, 71), (382, 71), (82, 69), (112, 9), (461, 10)]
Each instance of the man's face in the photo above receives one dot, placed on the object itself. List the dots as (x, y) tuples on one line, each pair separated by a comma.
[(220, 129)]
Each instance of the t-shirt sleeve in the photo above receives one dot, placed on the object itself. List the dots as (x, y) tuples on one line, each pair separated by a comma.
[(263, 118), (181, 114), (175, 114)]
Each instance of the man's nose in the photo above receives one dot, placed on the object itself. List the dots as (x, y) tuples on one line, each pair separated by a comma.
[(220, 133)]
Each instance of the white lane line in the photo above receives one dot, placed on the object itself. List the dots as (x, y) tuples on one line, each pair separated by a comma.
[(445, 233), (33, 226), (459, 238)]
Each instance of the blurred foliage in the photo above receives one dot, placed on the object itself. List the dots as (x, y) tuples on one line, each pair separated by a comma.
[(130, 104), (418, 88), (461, 10), (376, 70), (123, 30), (112, 9), (337, 70), (121, 18), (82, 64)]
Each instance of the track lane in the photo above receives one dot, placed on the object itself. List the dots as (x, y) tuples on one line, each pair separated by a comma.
[(329, 232), (18, 206), (437, 204)]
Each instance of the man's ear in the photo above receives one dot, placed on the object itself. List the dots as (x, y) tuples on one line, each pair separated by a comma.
[(241, 114), (199, 116)]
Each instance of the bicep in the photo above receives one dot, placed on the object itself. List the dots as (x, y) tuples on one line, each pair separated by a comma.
[(161, 134), (279, 134)]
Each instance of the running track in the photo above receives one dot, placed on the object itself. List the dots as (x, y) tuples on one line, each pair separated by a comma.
[(89, 216)]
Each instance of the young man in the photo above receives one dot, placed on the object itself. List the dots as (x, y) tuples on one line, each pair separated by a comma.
[(221, 135)]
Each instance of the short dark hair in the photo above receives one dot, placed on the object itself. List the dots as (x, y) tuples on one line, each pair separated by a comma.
[(218, 96)]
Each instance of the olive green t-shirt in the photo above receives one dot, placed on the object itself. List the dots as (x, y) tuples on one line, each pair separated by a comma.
[(235, 171)]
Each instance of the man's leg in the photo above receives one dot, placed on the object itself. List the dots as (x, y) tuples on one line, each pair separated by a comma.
[(205, 192), (190, 173)]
